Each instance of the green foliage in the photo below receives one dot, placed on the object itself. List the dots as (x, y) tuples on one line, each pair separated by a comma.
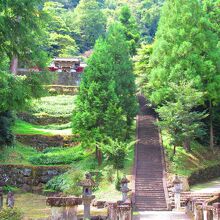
[(142, 66), (106, 103), (66, 183), (184, 163), (18, 154), (26, 39), (179, 117), (6, 122), (88, 23), (123, 72), (10, 214), (130, 29), (148, 14), (60, 42), (185, 51), (97, 99), (57, 156), (53, 106), (116, 152)]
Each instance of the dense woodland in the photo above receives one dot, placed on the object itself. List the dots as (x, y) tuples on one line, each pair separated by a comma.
[(167, 50)]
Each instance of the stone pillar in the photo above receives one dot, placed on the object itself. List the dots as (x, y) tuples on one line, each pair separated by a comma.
[(112, 211), (58, 213), (87, 203), (199, 213), (216, 214), (71, 212), (124, 210), (63, 208)]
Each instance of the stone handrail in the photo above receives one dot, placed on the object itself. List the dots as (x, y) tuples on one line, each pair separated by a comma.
[(204, 209)]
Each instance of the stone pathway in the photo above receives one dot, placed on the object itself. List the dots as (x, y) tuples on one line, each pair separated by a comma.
[(163, 215), (149, 189)]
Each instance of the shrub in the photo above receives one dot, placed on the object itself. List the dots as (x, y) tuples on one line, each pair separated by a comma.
[(56, 156), (116, 152), (66, 183), (10, 214), (6, 122)]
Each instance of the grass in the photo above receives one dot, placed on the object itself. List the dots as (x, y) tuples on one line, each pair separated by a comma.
[(56, 106), (185, 163), (22, 127), (19, 154), (60, 156)]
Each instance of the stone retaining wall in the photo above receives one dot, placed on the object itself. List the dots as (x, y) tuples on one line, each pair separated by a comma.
[(65, 78), (43, 120), (29, 178), (40, 142), (62, 90)]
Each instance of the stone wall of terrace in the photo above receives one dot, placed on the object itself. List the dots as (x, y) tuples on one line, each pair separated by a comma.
[(29, 178)]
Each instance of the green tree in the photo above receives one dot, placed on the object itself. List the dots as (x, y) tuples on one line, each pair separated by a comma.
[(130, 29), (88, 23), (21, 30), (123, 72), (143, 67), (148, 14), (98, 112), (179, 117), (60, 41)]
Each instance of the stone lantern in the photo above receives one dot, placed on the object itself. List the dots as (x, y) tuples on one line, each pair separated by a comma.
[(124, 188), (177, 188), (88, 184)]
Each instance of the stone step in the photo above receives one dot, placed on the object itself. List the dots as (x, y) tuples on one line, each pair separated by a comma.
[(149, 191)]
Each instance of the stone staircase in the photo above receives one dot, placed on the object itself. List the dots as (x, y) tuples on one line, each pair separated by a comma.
[(149, 168)]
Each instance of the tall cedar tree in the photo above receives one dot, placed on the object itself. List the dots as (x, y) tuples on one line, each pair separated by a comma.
[(98, 112), (106, 103), (185, 49), (123, 71)]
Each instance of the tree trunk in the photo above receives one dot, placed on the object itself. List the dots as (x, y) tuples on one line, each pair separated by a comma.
[(99, 156), (211, 144), (186, 144), (14, 65), (174, 150)]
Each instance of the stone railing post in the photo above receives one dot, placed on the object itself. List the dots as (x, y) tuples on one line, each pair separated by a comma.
[(112, 211), (124, 210), (216, 213), (199, 213), (63, 208), (207, 212)]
